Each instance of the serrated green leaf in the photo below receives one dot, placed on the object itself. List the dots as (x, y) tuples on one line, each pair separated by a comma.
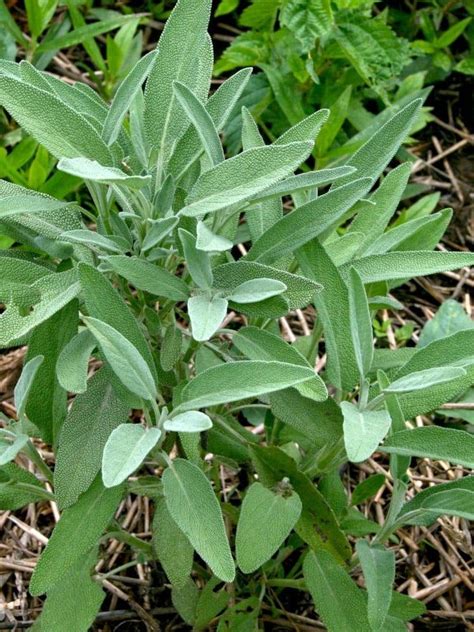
[(124, 359), (434, 442), (240, 380), (78, 530), (91, 418), (206, 314), (125, 450), (266, 519), (195, 509), (363, 431), (378, 566)]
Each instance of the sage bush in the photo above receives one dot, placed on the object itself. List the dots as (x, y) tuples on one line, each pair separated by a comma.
[(142, 280)]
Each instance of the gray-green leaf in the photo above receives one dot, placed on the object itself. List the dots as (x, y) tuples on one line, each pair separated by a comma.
[(363, 430)]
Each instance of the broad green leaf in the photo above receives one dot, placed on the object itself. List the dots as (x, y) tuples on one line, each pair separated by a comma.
[(209, 241), (125, 450), (95, 172), (64, 132), (74, 602), (338, 600), (455, 498), (433, 442), (19, 204), (206, 314), (360, 323), (179, 44), (104, 302), (47, 400), (90, 420), (171, 545), (265, 521), (73, 362), (316, 264), (306, 222), (363, 430), (378, 566), (195, 509), (257, 344), (171, 347), (191, 421), (124, 359), (400, 265), (149, 277), (124, 96), (424, 379), (202, 122), (372, 158), (78, 530), (238, 179), (240, 380), (24, 384), (198, 261), (257, 290)]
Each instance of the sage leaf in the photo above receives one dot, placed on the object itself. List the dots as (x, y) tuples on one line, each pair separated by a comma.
[(360, 323), (363, 430), (198, 262), (338, 600), (209, 241), (90, 420), (240, 380), (424, 379), (206, 314), (24, 384), (257, 290), (125, 450), (149, 277), (266, 519), (78, 530), (195, 509), (124, 359), (433, 442), (73, 362), (378, 566), (240, 178), (190, 421), (171, 545), (95, 172)]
